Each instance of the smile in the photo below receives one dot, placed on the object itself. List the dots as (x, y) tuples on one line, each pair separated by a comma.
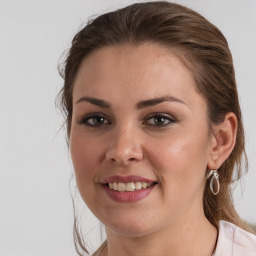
[(131, 186), (127, 189)]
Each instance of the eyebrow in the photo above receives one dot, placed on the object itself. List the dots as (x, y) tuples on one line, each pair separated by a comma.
[(155, 101), (139, 105), (94, 101)]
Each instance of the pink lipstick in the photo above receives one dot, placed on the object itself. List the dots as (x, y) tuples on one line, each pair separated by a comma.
[(128, 188)]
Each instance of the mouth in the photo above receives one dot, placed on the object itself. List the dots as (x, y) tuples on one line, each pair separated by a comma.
[(130, 186)]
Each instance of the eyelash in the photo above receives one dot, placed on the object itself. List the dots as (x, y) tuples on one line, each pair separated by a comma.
[(85, 120), (166, 117)]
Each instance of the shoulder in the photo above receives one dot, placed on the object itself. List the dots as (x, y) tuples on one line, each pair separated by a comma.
[(234, 241)]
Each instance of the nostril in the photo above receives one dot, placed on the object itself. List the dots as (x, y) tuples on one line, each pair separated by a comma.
[(113, 160), (121, 161)]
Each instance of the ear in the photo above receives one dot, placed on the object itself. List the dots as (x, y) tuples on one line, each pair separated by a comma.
[(223, 141)]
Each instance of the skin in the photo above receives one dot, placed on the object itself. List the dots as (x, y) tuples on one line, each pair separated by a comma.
[(129, 141)]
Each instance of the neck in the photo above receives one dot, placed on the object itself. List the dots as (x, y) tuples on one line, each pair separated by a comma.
[(195, 236)]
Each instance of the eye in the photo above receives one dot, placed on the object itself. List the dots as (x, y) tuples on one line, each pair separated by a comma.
[(94, 120), (159, 119)]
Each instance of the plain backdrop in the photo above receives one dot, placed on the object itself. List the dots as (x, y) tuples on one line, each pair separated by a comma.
[(36, 215)]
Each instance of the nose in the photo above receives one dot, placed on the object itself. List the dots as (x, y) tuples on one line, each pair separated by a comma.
[(125, 147)]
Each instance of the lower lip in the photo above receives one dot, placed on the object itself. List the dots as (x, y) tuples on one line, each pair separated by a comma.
[(131, 196)]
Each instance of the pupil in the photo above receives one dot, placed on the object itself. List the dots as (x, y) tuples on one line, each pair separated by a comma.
[(98, 120), (159, 120)]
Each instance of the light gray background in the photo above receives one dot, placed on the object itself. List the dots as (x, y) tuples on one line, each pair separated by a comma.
[(36, 214)]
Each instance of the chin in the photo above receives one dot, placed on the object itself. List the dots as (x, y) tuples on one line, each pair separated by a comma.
[(129, 227), (128, 231)]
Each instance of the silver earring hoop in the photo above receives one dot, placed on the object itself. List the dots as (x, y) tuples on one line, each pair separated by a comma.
[(214, 178)]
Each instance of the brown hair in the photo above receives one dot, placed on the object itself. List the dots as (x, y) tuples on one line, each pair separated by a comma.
[(202, 48)]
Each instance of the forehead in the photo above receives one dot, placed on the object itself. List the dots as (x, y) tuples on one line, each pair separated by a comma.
[(135, 73)]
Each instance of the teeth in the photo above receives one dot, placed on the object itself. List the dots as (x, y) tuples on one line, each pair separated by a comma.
[(131, 186), (121, 186), (114, 186), (138, 185), (144, 184)]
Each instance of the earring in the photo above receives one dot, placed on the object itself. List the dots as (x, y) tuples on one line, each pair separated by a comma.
[(214, 178)]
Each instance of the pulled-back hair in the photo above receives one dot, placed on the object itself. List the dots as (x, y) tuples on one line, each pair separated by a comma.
[(201, 47)]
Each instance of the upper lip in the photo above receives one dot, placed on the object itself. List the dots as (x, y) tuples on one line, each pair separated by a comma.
[(126, 179)]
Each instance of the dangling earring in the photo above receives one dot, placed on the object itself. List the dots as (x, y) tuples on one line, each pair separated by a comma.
[(214, 178)]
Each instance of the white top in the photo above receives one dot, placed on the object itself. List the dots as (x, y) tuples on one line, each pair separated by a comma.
[(234, 241)]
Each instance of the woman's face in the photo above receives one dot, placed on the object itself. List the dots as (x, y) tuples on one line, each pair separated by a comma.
[(140, 140)]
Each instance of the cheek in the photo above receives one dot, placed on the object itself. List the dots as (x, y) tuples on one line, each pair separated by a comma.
[(180, 160), (180, 163), (85, 157)]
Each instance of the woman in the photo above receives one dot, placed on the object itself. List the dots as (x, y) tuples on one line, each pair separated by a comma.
[(155, 131)]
